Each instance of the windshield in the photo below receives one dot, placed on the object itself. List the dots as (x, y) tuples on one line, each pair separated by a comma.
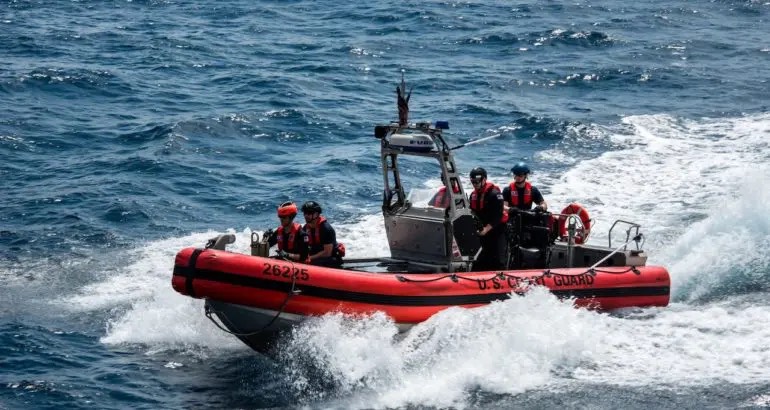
[(423, 197)]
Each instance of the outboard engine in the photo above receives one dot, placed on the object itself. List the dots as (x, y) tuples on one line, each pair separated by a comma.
[(530, 236)]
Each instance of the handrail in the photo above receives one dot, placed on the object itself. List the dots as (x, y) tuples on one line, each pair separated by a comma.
[(632, 225), (636, 238)]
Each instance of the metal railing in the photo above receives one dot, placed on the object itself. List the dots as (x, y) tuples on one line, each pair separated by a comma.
[(631, 226)]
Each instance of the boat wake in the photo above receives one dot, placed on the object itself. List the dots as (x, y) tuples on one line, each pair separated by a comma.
[(525, 343), (700, 191), (726, 253), (505, 347)]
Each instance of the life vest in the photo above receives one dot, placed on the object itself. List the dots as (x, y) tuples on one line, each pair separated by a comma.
[(575, 209), (477, 201), (441, 199), (295, 227), (314, 238), (314, 235), (515, 195)]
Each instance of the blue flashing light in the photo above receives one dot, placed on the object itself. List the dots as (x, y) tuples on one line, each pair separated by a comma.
[(442, 125)]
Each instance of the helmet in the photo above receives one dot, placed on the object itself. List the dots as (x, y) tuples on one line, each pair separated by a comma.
[(520, 169), (287, 209), (478, 173), (310, 207)]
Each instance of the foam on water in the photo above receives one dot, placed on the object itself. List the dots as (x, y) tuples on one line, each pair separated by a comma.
[(699, 189), (498, 348), (730, 245), (679, 345), (666, 169), (509, 347), (363, 238), (144, 309), (523, 343), (528, 342)]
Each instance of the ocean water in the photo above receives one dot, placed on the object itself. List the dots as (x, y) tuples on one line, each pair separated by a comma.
[(132, 129)]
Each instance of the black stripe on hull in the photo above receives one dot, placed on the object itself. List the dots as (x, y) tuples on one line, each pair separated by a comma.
[(399, 300)]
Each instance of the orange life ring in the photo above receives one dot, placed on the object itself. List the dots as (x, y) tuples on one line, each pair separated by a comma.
[(575, 209)]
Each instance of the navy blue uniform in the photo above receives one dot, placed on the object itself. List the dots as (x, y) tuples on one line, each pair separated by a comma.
[(322, 235), (490, 212)]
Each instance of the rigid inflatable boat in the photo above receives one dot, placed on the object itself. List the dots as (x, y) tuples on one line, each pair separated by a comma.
[(432, 252)]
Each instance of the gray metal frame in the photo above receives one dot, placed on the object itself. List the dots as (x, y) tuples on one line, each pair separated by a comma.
[(424, 236)]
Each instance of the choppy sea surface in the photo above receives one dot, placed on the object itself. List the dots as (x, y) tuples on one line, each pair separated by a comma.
[(132, 129)]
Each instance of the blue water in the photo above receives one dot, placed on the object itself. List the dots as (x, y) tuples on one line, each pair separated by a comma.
[(132, 129)]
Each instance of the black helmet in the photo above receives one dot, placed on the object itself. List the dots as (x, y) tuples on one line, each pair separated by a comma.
[(478, 173), (310, 207), (520, 169)]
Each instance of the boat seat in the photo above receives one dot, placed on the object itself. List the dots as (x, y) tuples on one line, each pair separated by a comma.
[(465, 235), (531, 258)]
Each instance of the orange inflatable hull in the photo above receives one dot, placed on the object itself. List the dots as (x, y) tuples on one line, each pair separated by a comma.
[(265, 283)]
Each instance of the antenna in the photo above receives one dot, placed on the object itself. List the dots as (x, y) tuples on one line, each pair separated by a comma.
[(474, 142), (403, 102)]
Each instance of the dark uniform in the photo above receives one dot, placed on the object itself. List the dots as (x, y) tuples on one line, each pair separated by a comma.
[(323, 234), (487, 205)]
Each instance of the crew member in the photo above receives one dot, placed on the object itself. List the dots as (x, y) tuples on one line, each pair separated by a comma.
[(441, 198), (291, 239), (322, 240), (487, 205), (520, 194)]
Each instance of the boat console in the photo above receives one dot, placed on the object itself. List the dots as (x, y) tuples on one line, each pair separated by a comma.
[(443, 239)]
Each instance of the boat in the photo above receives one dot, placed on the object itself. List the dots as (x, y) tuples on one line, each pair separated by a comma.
[(257, 298)]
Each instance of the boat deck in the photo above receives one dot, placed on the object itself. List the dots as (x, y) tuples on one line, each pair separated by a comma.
[(562, 256)]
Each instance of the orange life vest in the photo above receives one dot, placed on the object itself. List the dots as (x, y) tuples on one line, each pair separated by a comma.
[(515, 194), (314, 235), (477, 201), (441, 200), (314, 238), (295, 227)]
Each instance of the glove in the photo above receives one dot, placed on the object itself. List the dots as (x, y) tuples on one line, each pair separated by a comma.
[(539, 209), (283, 255)]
